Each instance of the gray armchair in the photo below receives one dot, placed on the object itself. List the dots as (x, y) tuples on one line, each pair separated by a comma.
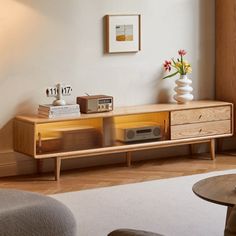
[(25, 213)]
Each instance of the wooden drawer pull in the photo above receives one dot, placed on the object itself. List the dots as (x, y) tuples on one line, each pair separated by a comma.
[(200, 130), (200, 117)]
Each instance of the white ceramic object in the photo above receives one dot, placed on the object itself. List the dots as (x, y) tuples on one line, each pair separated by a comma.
[(183, 90), (59, 101)]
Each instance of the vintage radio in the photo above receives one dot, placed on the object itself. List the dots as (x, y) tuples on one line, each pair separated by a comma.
[(139, 131), (95, 104)]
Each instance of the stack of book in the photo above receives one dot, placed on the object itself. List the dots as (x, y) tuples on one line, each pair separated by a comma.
[(50, 111)]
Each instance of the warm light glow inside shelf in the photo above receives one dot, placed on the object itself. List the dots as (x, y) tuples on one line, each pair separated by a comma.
[(54, 129), (142, 120), (148, 117)]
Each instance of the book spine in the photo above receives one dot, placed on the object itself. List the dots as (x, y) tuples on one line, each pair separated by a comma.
[(43, 115), (69, 111), (56, 108)]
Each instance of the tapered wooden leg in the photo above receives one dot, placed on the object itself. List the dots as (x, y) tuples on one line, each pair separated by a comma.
[(39, 166), (57, 168), (229, 209), (212, 147), (128, 158)]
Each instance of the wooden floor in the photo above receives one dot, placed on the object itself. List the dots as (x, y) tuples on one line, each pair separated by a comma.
[(95, 177)]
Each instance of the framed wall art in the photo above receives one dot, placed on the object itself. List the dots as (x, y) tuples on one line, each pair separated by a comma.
[(123, 33)]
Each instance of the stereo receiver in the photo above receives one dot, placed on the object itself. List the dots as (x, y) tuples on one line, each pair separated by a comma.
[(139, 131), (95, 103)]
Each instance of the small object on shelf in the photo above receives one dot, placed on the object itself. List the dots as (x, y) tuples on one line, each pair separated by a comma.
[(182, 67), (50, 111), (183, 90), (181, 125), (58, 91), (138, 131), (95, 103)]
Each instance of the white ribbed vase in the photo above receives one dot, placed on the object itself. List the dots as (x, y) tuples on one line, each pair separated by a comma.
[(183, 90)]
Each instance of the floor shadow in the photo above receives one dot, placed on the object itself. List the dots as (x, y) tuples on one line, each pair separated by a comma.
[(12, 158)]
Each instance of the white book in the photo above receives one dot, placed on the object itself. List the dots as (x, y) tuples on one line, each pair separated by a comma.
[(58, 112), (49, 107), (43, 115)]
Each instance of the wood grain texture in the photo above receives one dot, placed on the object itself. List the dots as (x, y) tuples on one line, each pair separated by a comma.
[(128, 158), (200, 129), (217, 189), (130, 148), (212, 149), (80, 139), (111, 175), (200, 115), (79, 136), (48, 144), (57, 162), (225, 27), (156, 118), (24, 137), (53, 128), (229, 210), (129, 110)]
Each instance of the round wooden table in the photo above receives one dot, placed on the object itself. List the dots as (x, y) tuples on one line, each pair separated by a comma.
[(218, 189)]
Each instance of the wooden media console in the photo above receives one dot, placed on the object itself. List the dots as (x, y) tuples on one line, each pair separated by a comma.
[(95, 134)]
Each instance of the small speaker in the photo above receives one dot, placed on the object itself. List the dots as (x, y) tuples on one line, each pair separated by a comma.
[(130, 134), (157, 131), (139, 131)]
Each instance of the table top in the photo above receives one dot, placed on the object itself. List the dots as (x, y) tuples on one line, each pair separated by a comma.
[(218, 189), (131, 110)]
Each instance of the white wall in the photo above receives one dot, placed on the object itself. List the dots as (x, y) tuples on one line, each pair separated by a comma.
[(43, 42)]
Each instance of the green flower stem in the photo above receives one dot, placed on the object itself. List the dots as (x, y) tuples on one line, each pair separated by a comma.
[(182, 62), (168, 76), (173, 61)]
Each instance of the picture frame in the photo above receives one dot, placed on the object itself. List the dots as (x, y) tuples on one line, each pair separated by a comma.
[(123, 33)]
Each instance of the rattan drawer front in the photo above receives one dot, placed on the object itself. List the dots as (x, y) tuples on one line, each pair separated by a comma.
[(200, 115), (200, 129)]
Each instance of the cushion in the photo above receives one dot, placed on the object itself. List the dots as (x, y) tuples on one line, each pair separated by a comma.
[(30, 214)]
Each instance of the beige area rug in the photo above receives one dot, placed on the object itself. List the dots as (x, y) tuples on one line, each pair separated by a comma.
[(168, 207)]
